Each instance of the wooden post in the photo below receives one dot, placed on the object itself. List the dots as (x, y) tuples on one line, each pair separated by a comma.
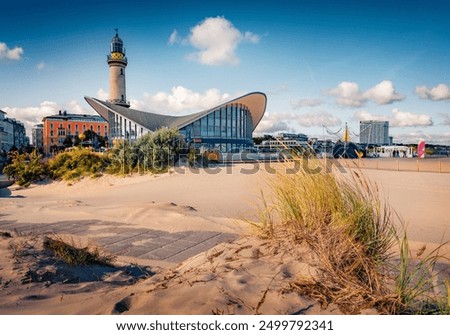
[(398, 165)]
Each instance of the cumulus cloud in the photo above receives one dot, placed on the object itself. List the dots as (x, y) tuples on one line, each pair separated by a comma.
[(305, 103), (102, 94), (216, 40), (273, 123), (318, 119), (40, 66), (398, 118), (181, 100), (30, 116), (383, 93), (349, 94), (12, 54), (440, 92)]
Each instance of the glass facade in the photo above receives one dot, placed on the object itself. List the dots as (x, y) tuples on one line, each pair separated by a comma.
[(226, 128), (121, 127)]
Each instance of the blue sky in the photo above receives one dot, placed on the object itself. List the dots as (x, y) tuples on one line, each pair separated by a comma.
[(319, 62)]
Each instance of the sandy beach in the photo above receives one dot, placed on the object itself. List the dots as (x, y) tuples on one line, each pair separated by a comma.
[(182, 241)]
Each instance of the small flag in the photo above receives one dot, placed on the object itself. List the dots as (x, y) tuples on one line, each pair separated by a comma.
[(421, 149)]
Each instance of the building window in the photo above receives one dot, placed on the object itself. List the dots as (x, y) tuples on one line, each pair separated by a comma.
[(211, 124), (51, 125)]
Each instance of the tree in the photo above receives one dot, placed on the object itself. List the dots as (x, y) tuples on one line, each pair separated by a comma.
[(95, 139), (68, 142)]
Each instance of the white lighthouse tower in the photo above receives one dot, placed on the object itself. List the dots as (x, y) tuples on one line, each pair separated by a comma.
[(117, 63)]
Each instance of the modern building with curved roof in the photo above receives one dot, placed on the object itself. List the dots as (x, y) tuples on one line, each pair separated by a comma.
[(224, 127)]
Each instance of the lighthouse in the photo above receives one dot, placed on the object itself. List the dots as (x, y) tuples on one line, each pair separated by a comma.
[(117, 63)]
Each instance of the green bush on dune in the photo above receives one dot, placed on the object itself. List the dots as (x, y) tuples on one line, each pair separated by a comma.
[(26, 168), (81, 162), (152, 153)]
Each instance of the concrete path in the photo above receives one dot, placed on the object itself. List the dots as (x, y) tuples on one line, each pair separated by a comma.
[(138, 243)]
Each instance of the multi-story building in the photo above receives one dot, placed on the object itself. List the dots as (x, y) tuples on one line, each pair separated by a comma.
[(374, 132), (37, 136), (12, 133), (63, 127)]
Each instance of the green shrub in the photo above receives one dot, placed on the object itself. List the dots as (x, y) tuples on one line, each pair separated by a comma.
[(153, 152), (26, 168), (75, 164)]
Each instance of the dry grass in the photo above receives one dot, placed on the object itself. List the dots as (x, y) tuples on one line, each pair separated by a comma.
[(75, 255), (343, 222)]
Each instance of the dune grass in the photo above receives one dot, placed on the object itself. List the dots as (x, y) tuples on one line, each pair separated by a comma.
[(75, 255), (353, 236)]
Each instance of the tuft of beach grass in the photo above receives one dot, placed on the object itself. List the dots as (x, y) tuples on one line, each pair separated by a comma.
[(75, 255), (342, 220)]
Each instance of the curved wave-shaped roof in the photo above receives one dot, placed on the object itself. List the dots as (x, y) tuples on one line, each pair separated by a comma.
[(256, 102)]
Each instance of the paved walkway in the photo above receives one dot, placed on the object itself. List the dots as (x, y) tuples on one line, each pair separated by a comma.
[(132, 242)]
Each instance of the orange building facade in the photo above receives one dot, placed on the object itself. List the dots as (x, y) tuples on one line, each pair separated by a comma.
[(57, 128)]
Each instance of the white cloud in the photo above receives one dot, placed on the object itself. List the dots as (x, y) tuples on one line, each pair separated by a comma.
[(30, 116), (40, 66), (102, 94), (398, 118), (349, 94), (440, 92), (383, 93), (12, 54), (318, 119), (305, 103), (217, 40), (74, 107), (272, 123), (181, 100), (173, 38), (366, 116)]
